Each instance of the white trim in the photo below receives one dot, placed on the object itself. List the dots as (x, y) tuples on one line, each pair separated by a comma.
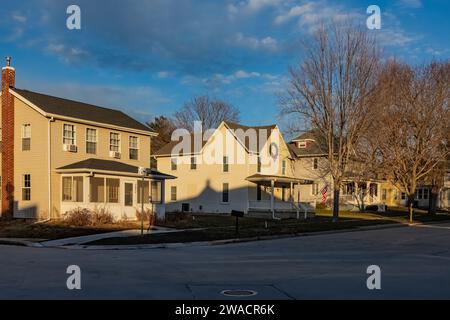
[(82, 121)]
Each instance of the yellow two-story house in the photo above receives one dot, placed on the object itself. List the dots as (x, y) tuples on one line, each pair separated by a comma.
[(234, 167), (59, 154)]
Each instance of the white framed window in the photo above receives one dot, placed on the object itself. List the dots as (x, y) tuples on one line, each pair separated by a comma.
[(226, 165), (69, 137), (91, 141), (133, 145), (283, 167), (173, 193), (26, 187), (174, 164), (26, 137), (315, 189), (301, 144), (72, 189), (403, 196), (114, 142), (193, 163), (315, 163), (225, 193), (426, 193)]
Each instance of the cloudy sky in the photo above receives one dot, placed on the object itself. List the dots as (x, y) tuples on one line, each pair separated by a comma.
[(147, 57)]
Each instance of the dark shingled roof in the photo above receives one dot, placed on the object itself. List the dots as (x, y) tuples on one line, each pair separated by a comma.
[(167, 149), (110, 165), (80, 110), (312, 149)]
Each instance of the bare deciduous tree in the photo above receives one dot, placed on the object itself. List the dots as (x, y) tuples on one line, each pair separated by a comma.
[(413, 123), (331, 90), (210, 112)]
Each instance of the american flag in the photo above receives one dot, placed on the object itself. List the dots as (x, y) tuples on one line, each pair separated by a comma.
[(324, 193)]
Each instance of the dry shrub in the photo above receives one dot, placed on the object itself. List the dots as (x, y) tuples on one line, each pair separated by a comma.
[(101, 217), (149, 216), (78, 217), (82, 217)]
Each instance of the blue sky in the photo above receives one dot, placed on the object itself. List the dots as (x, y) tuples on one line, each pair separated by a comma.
[(148, 57)]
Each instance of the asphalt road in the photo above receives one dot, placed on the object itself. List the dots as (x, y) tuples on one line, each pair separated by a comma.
[(414, 262)]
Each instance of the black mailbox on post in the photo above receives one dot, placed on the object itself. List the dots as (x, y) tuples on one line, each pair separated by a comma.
[(237, 214)]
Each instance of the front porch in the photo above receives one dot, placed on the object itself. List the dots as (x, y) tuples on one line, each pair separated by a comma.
[(122, 193), (280, 191)]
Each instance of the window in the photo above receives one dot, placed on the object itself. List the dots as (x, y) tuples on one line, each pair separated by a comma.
[(91, 141), (128, 195), (302, 144), (315, 189), (225, 193), (315, 164), (114, 142), (174, 164), (26, 187), (258, 192), (283, 167), (72, 189), (403, 196), (146, 190), (425, 194), (419, 194), (173, 193), (156, 192), (258, 169), (384, 194), (69, 134), (193, 163), (395, 194), (112, 190), (97, 190), (133, 145), (26, 137), (226, 167)]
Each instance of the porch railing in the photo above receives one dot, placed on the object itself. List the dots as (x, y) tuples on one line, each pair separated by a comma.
[(266, 205)]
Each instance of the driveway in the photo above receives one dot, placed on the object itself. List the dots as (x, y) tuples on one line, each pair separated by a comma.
[(414, 262)]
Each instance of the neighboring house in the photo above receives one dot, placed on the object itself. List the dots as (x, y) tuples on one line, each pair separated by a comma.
[(311, 163), (253, 172), (58, 155)]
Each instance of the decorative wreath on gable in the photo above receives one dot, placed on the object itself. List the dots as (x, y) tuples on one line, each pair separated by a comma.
[(273, 150)]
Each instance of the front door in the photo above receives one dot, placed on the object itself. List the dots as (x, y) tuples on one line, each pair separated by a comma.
[(129, 199)]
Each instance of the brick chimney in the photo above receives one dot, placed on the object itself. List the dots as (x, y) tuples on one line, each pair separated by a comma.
[(8, 80)]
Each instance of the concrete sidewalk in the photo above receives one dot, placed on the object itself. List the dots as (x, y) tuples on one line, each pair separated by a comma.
[(95, 237)]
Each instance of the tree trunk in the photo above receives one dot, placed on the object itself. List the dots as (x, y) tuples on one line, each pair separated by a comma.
[(411, 208), (336, 194)]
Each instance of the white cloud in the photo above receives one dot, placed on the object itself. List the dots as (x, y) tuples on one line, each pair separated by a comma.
[(67, 54), (255, 5), (266, 44), (294, 12)]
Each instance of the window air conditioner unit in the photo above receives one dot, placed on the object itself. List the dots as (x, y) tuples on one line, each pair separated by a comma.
[(114, 154), (70, 148)]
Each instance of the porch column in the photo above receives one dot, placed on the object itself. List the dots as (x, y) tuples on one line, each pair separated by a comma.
[(272, 204), (163, 192), (290, 194)]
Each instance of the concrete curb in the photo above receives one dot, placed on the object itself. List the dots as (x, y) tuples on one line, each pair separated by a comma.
[(229, 241), (19, 242)]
